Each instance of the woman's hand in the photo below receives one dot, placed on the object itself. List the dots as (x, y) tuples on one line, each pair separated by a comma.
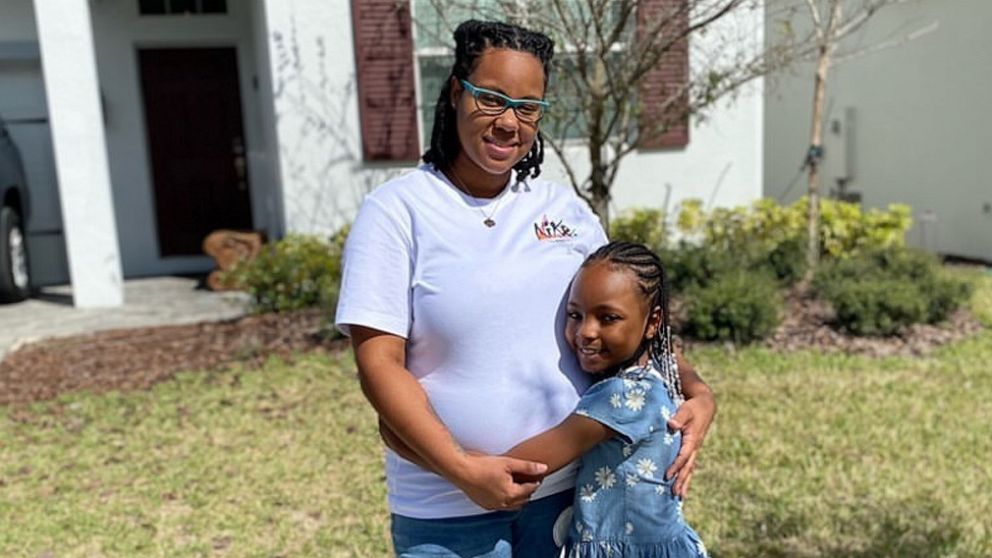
[(693, 419), (488, 480)]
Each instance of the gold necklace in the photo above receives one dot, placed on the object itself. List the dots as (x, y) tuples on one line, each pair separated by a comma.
[(487, 220)]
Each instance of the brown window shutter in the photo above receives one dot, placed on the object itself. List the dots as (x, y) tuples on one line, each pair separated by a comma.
[(666, 79), (387, 100)]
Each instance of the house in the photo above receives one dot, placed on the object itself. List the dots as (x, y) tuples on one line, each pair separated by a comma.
[(145, 124), (907, 124)]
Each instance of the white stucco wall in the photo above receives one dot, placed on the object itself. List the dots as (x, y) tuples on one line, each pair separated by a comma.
[(921, 124), (324, 178)]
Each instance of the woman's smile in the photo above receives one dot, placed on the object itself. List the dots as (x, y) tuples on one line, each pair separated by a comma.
[(500, 150)]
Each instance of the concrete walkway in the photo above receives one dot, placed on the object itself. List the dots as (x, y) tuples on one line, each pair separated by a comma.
[(147, 302)]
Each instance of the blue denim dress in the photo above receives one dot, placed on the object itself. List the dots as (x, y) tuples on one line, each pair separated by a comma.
[(623, 504)]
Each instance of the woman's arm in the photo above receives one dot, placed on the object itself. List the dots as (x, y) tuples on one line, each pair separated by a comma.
[(562, 444), (404, 407), (394, 443), (693, 419)]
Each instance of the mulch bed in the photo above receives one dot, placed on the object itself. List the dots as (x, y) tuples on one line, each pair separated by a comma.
[(138, 358), (129, 359), (805, 325)]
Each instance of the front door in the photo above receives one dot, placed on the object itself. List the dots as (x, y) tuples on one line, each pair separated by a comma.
[(196, 142)]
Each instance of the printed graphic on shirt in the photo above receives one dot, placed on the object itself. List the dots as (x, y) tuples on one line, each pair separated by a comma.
[(553, 231)]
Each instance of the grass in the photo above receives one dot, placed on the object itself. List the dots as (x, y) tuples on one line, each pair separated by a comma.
[(816, 455), (812, 455), (281, 461)]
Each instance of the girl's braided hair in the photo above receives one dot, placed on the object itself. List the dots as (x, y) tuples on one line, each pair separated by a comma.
[(653, 283), (472, 38)]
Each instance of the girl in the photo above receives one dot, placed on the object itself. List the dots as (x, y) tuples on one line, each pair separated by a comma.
[(618, 327)]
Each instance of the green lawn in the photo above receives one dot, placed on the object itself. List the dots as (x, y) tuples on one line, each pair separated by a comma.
[(811, 455)]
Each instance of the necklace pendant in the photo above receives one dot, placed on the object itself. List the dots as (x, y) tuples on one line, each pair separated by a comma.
[(489, 223)]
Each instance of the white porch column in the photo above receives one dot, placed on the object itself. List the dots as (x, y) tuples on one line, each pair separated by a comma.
[(72, 88)]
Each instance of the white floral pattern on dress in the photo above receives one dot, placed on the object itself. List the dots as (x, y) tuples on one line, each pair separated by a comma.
[(615, 401), (646, 467), (587, 493), (669, 439), (629, 528), (666, 413), (635, 400), (627, 450), (660, 490), (605, 477), (631, 480)]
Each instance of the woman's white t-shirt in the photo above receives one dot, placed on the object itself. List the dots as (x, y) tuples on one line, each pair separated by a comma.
[(481, 309)]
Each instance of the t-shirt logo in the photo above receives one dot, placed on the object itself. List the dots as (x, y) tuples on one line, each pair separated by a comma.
[(553, 231)]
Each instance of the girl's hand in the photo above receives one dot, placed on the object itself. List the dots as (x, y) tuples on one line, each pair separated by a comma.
[(488, 480), (693, 419)]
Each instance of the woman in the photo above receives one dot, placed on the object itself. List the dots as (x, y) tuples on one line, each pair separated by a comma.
[(452, 289)]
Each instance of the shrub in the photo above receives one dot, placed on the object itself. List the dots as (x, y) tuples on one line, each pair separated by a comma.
[(883, 290), (845, 229), (689, 265), (294, 273), (945, 294), (876, 306), (740, 307), (643, 226), (787, 260)]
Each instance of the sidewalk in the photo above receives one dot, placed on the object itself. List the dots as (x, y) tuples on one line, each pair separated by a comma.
[(147, 302)]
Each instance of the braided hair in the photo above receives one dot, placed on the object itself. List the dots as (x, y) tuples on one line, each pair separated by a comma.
[(472, 38), (653, 284)]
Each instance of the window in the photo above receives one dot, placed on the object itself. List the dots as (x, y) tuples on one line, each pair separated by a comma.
[(182, 7), (432, 51)]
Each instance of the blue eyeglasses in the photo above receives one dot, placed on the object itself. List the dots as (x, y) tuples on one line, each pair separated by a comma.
[(493, 103)]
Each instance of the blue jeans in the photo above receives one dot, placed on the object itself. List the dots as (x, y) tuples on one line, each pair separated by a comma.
[(523, 533)]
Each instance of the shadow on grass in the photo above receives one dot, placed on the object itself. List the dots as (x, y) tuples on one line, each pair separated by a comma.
[(904, 528)]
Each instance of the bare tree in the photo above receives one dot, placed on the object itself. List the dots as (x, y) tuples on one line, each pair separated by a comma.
[(828, 22), (608, 96)]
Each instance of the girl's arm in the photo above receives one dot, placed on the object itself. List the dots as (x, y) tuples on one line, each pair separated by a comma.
[(693, 419), (562, 444), (404, 407)]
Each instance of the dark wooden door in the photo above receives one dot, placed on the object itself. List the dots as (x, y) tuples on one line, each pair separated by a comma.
[(196, 141)]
